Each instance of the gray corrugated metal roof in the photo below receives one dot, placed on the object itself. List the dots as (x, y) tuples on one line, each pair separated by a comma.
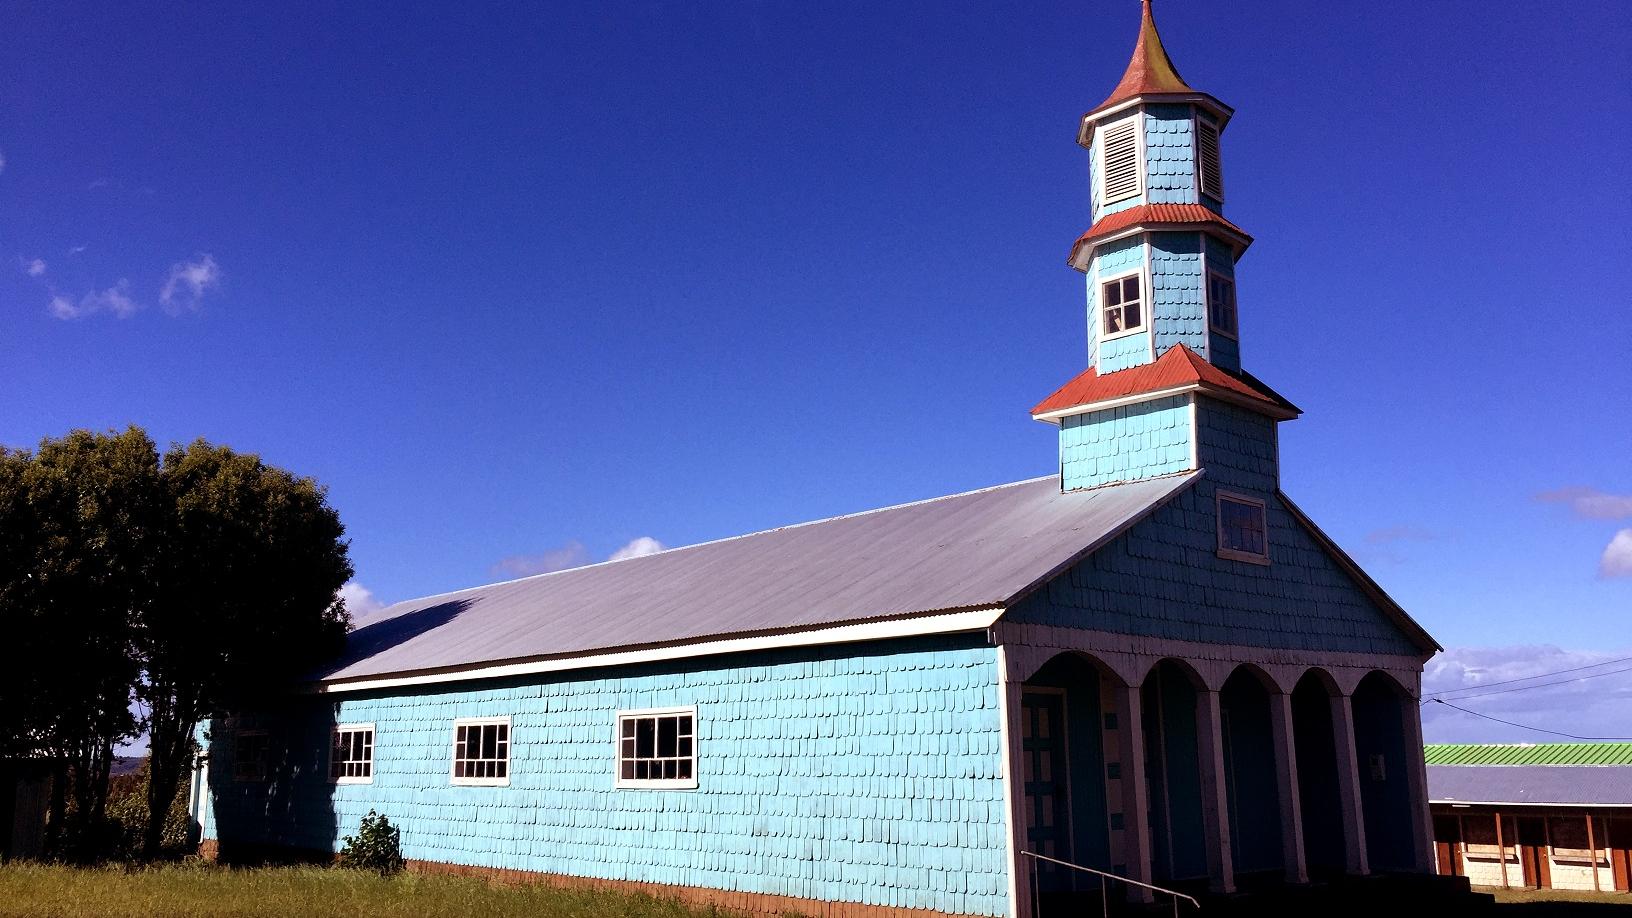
[(1603, 785), (966, 551)]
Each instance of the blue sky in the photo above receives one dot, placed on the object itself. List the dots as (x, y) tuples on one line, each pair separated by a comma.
[(524, 284)]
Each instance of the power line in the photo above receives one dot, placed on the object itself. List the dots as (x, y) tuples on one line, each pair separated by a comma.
[(1590, 739), (1556, 672), (1526, 688)]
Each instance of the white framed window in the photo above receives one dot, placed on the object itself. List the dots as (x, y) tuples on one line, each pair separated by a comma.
[(1121, 161), (351, 754), (1243, 531), (1121, 305), (1209, 165), (657, 748), (481, 751), (1221, 304), (249, 755)]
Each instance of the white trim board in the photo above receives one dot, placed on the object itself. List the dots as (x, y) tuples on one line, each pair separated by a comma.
[(945, 623)]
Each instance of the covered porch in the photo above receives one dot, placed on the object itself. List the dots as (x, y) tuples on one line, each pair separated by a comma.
[(1206, 768)]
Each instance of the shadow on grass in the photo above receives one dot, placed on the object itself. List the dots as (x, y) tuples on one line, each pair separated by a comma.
[(1563, 909)]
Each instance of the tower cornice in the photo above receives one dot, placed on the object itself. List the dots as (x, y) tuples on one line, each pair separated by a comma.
[(1147, 218)]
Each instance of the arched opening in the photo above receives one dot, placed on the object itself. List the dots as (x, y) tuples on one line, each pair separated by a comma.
[(1069, 754), (1249, 773), (1380, 753), (1319, 795), (1177, 833)]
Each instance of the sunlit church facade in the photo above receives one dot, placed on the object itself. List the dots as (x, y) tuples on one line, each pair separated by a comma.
[(1151, 663)]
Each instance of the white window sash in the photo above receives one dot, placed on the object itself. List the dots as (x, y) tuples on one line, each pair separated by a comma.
[(619, 781)]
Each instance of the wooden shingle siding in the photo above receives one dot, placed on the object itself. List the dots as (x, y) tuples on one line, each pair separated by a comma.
[(866, 774), (1179, 303), (1125, 444), (1170, 154)]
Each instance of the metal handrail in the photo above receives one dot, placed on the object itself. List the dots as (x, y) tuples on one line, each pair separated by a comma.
[(1104, 904)]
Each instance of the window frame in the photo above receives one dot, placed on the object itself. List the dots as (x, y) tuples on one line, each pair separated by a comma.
[(1216, 194), (1235, 313), (334, 735), (1144, 304), (1137, 119), (1236, 554), (263, 766), (458, 780), (622, 783)]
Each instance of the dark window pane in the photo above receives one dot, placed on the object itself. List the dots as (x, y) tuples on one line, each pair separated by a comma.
[(667, 732), (628, 770), (459, 769), (1130, 315), (670, 769), (1130, 288), (490, 741), (1113, 320), (685, 769), (628, 727), (645, 737), (643, 770), (685, 725), (1113, 294), (504, 732), (685, 746), (503, 770)]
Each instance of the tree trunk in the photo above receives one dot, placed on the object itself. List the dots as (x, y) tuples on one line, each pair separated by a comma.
[(169, 743)]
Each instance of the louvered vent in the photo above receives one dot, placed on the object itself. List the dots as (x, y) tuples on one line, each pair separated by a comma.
[(1121, 161), (1209, 166)]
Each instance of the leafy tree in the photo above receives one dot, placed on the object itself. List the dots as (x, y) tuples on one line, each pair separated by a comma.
[(78, 538), (245, 599)]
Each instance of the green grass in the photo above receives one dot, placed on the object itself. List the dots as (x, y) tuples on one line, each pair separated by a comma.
[(200, 890)]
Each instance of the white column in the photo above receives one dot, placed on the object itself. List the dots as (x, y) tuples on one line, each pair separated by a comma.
[(1215, 792), (1348, 782), (1014, 789), (1130, 724), (1416, 785), (1286, 787)]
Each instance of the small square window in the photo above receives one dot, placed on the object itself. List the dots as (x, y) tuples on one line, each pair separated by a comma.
[(1243, 534), (351, 754), (1221, 304), (481, 751), (249, 755), (657, 748), (1121, 305)]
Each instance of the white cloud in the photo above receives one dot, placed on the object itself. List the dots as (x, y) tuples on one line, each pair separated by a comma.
[(75, 250), (360, 601), (638, 548), (2, 160), (1617, 559), (1591, 503), (34, 267), (1596, 706), (115, 299), (571, 554), (185, 287)]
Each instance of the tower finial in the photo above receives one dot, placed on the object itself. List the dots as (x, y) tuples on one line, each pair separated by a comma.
[(1150, 70)]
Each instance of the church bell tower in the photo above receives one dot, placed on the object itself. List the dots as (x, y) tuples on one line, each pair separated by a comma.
[(1164, 391)]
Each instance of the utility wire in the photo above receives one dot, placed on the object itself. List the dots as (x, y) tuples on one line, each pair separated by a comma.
[(1526, 688), (1556, 672), (1590, 739)]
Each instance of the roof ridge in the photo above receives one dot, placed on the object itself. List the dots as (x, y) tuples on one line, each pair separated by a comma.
[(745, 535)]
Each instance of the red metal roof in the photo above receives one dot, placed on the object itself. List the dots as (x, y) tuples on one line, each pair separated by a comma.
[(1179, 366), (1150, 70), (1156, 215)]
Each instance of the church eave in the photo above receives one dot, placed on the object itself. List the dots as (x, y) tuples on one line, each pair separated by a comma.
[(1147, 218), (1108, 111)]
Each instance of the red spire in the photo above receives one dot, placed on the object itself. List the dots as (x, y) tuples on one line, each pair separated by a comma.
[(1150, 70)]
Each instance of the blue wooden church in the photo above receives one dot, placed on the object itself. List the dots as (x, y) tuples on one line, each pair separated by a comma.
[(1150, 663)]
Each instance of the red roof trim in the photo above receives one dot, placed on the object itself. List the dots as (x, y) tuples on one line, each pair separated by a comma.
[(1158, 216), (1150, 70), (1178, 368)]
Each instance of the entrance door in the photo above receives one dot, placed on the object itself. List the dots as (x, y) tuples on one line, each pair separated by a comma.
[(1042, 744)]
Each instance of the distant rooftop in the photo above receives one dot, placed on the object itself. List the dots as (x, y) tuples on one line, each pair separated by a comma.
[(1529, 753)]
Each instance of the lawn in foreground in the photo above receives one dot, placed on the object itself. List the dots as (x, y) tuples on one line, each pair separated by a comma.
[(1558, 903), (205, 891)]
